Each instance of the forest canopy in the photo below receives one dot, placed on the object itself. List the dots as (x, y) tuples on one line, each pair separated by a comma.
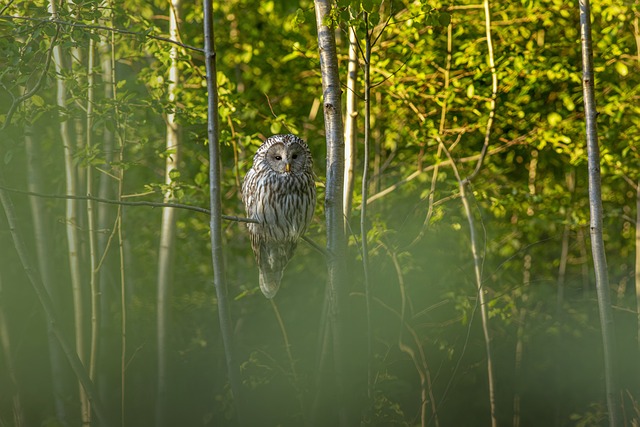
[(468, 295)]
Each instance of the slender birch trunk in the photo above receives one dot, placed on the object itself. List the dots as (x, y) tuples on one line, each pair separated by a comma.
[(71, 215), (363, 209), (483, 303), (43, 244), (48, 307), (336, 241), (105, 223), (638, 257), (636, 35), (350, 123), (7, 353), (168, 227), (595, 208), (91, 222), (215, 224)]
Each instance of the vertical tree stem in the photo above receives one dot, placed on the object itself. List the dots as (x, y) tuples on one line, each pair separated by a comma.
[(91, 228), (168, 226), (336, 242), (215, 223), (477, 262), (595, 208), (363, 208), (71, 214), (48, 307), (106, 221), (7, 353), (638, 257), (494, 91), (350, 125)]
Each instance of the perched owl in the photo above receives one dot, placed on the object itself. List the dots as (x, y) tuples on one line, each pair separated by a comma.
[(279, 192)]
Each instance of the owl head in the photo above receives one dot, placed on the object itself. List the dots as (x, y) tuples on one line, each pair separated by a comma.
[(285, 154)]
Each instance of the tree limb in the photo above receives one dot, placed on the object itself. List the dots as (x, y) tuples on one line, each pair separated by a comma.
[(17, 101), (102, 27)]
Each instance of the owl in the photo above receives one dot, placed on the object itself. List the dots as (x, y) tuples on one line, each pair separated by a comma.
[(279, 193)]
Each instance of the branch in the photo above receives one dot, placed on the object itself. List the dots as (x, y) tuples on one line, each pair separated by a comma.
[(494, 92), (20, 100), (125, 203), (6, 6), (419, 172), (102, 27)]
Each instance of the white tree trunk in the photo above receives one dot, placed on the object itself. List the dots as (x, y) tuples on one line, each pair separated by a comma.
[(336, 241), (350, 123), (168, 227), (595, 208), (71, 217)]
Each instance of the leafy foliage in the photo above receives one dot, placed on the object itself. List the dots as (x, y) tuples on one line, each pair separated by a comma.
[(530, 197)]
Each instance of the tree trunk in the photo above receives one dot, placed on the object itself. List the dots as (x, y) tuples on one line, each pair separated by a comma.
[(215, 223), (638, 257), (42, 241), (7, 353), (482, 302), (71, 217), (105, 221), (336, 242), (350, 124), (91, 222), (47, 305), (595, 208), (168, 227)]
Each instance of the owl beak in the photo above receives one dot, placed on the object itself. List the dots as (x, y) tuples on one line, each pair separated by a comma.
[(287, 167)]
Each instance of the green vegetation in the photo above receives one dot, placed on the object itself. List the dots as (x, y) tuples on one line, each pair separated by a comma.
[(476, 121)]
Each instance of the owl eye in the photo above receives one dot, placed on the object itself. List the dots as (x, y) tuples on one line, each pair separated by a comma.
[(278, 157), (295, 156)]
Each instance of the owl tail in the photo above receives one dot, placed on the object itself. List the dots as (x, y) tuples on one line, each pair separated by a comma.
[(270, 282)]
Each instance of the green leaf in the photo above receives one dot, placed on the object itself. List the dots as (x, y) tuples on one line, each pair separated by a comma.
[(37, 100), (554, 119), (367, 5), (299, 18), (622, 68), (444, 19), (174, 174)]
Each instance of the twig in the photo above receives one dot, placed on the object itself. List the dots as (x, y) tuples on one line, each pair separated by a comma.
[(18, 101), (477, 264), (102, 27), (126, 203), (447, 162), (6, 6), (494, 93)]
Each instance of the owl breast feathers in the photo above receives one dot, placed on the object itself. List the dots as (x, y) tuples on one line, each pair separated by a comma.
[(279, 192)]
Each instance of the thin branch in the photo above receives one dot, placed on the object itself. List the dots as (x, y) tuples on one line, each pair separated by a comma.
[(125, 203), (419, 172), (102, 27), (294, 373), (206, 211), (16, 102), (6, 6), (477, 264), (494, 92)]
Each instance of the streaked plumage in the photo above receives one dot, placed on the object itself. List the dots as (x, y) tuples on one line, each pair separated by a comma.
[(279, 192)]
